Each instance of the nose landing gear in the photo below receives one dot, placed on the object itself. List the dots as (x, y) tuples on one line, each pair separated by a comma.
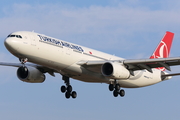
[(23, 60)]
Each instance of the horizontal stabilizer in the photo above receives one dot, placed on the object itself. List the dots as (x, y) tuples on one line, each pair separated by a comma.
[(174, 74)]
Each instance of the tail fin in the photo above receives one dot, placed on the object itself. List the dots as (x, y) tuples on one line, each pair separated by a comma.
[(164, 47)]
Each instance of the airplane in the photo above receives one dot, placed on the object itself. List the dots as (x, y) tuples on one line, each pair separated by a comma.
[(39, 54)]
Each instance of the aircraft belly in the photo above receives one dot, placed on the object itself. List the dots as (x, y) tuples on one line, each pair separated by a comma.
[(141, 79)]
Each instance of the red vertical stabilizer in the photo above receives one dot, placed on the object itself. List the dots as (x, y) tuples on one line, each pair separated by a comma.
[(164, 47)]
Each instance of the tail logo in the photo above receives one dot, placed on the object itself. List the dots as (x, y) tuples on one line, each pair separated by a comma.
[(162, 51)]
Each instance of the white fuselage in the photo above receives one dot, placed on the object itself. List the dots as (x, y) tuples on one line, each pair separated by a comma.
[(63, 57)]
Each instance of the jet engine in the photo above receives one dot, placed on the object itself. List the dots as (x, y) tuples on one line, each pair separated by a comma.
[(114, 71), (30, 74)]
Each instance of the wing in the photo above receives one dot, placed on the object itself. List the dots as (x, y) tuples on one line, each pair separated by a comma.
[(134, 65), (43, 69), (148, 64)]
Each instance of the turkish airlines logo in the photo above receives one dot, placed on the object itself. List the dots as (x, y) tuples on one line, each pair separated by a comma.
[(162, 51)]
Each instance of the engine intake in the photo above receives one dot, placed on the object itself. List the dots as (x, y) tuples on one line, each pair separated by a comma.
[(30, 74), (114, 71)]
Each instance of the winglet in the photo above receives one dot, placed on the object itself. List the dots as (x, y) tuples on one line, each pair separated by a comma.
[(164, 47)]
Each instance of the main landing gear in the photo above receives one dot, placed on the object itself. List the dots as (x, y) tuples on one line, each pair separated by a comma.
[(68, 88), (116, 90)]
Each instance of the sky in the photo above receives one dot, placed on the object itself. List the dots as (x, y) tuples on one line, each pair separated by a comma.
[(126, 28)]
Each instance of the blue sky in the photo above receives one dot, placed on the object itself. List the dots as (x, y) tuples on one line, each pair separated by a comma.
[(126, 28)]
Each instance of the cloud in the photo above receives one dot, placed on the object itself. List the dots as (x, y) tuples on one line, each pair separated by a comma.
[(118, 27)]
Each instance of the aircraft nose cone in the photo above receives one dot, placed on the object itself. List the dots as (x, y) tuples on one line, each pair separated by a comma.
[(10, 44), (7, 42)]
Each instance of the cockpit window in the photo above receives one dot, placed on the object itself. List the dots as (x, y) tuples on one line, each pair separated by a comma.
[(17, 36), (11, 35)]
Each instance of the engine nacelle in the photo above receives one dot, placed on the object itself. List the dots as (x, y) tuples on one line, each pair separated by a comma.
[(114, 71), (30, 74)]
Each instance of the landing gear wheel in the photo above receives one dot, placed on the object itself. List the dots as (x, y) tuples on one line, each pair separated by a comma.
[(117, 87), (69, 88), (63, 89), (122, 93), (74, 94), (115, 93), (111, 87), (67, 95)]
